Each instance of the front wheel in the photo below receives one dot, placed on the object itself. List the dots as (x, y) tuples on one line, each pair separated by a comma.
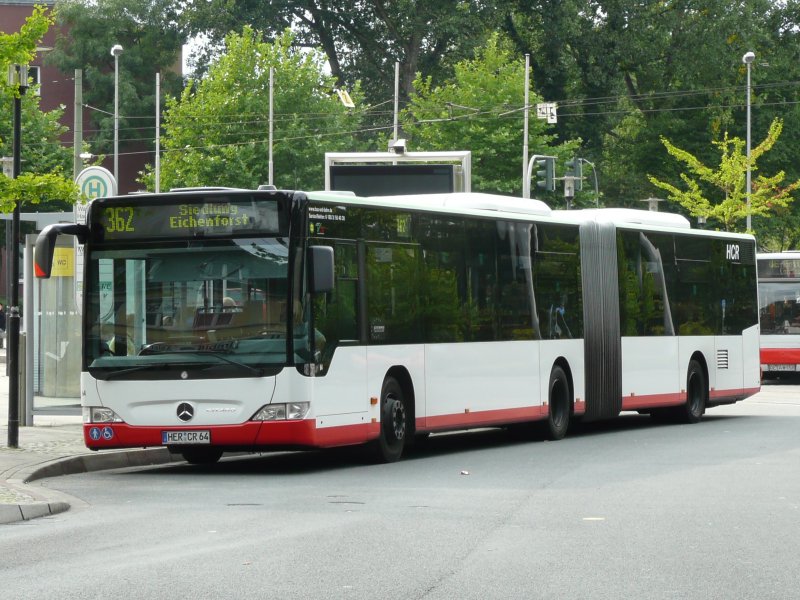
[(394, 423), (559, 405), (201, 456)]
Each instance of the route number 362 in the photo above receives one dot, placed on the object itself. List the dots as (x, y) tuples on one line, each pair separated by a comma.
[(120, 219)]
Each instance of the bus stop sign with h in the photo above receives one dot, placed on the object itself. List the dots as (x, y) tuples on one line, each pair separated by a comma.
[(93, 182)]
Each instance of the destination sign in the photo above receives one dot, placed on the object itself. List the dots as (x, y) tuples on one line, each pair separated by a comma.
[(211, 219), (778, 268)]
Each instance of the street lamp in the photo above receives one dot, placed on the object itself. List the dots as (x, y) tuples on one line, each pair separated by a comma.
[(116, 50), (748, 59), (17, 77)]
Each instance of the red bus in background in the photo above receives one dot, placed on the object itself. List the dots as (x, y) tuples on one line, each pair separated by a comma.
[(779, 307)]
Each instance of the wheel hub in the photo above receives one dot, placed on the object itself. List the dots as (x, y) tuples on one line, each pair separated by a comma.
[(398, 419)]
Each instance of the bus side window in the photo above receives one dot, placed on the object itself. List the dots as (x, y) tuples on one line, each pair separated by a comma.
[(336, 312), (393, 292)]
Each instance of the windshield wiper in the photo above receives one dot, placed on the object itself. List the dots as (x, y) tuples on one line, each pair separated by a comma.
[(105, 375), (206, 348), (222, 357), (216, 350)]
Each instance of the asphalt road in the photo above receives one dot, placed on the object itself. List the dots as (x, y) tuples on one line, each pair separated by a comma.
[(626, 509)]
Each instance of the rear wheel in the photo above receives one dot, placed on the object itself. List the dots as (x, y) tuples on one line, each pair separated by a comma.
[(696, 395), (394, 423), (559, 405), (201, 456)]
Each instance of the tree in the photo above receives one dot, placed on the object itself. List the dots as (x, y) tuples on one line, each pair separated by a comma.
[(361, 40), (216, 133), (729, 179), (625, 73), (41, 148), (149, 33), (42, 157), (476, 111)]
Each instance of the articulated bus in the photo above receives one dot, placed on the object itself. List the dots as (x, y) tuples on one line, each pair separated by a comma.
[(235, 320), (779, 303)]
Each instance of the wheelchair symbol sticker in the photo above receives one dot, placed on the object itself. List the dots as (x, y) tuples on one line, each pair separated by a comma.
[(108, 433)]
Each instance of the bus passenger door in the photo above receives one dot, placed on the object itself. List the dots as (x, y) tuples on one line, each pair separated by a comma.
[(342, 381)]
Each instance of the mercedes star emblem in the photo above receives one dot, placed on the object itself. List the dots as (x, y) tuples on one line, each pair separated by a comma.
[(185, 411)]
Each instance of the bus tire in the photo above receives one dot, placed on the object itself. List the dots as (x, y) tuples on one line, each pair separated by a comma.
[(559, 405), (201, 456), (394, 423), (696, 395)]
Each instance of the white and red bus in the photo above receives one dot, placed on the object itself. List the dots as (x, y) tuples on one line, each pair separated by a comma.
[(779, 305), (234, 320)]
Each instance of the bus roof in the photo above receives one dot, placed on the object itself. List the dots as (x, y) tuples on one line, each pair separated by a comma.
[(625, 215), (468, 201), (784, 255), (478, 202), (496, 206), (490, 205)]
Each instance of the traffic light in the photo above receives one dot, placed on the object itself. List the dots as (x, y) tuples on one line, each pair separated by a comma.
[(575, 170), (546, 175)]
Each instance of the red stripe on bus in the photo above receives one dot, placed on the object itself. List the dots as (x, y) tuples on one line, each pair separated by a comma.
[(738, 394), (652, 400), (675, 399), (250, 434), (129, 436), (484, 418), (780, 356), (263, 435)]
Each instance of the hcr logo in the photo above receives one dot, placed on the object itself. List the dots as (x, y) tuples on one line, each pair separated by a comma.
[(732, 252)]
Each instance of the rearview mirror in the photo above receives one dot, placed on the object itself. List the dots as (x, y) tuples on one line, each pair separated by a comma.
[(320, 269), (46, 243)]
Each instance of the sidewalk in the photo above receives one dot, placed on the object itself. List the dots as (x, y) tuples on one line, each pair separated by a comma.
[(52, 446)]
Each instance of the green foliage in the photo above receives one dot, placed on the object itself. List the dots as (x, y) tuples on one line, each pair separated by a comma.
[(151, 38), (473, 112), (41, 146), (216, 133), (20, 47), (29, 189), (624, 75), (361, 40), (43, 158), (728, 181)]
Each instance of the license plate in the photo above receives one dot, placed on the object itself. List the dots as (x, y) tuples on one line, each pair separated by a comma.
[(781, 368), (186, 437)]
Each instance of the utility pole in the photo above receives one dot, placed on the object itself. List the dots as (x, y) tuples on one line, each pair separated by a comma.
[(116, 50), (271, 121), (526, 182), (18, 77), (748, 59), (158, 133), (77, 129)]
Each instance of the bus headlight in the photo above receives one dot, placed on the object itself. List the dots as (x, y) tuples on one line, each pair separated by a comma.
[(296, 410), (291, 411), (98, 414)]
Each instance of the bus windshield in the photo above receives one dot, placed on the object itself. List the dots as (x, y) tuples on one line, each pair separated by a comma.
[(780, 306), (217, 305)]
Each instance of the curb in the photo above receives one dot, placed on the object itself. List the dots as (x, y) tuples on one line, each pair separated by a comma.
[(13, 513), (82, 463), (86, 463)]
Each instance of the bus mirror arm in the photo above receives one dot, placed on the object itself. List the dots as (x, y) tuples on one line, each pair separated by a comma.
[(320, 269), (46, 243)]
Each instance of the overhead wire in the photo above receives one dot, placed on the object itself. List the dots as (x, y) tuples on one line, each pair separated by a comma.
[(495, 112)]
